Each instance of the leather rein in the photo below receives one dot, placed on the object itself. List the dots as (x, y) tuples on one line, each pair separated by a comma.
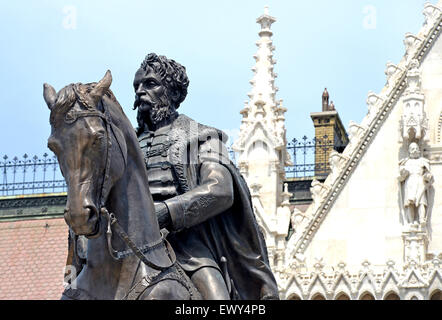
[(112, 221)]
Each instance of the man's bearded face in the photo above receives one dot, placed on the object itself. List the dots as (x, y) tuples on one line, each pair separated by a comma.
[(151, 96), (414, 151)]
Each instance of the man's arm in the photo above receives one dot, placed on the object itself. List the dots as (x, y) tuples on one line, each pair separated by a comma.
[(213, 196), (403, 172)]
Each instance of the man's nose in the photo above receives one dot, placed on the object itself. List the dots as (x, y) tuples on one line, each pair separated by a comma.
[(140, 90)]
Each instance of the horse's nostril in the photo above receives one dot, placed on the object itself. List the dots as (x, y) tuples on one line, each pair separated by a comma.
[(90, 212), (66, 213), (67, 216)]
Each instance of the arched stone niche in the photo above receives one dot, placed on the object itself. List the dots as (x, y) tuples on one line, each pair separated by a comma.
[(392, 296), (318, 296), (294, 296), (342, 296), (436, 295), (366, 296)]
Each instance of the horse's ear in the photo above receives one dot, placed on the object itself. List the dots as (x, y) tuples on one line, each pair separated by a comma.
[(49, 95), (101, 87)]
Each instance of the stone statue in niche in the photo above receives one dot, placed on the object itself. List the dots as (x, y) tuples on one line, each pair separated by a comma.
[(415, 179)]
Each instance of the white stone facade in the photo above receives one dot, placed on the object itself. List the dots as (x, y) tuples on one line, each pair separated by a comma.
[(353, 241)]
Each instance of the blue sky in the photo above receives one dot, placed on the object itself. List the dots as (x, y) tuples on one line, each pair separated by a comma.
[(322, 43)]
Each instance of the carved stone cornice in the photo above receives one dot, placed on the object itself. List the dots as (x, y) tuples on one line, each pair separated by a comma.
[(32, 207), (330, 281)]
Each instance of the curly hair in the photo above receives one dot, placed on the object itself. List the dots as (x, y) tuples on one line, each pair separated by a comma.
[(172, 74)]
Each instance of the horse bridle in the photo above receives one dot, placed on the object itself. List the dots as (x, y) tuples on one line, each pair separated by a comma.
[(112, 221)]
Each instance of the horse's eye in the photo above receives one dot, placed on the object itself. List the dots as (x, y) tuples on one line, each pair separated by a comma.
[(98, 137)]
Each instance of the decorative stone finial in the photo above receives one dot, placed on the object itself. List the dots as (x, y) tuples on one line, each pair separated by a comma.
[(411, 42), (373, 101), (431, 13), (390, 71), (256, 187), (286, 196), (265, 21), (325, 99)]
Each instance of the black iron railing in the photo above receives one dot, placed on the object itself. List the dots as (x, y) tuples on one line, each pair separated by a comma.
[(309, 157), (30, 175), (36, 175)]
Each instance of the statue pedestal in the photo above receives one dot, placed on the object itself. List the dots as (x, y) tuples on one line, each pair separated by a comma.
[(415, 245)]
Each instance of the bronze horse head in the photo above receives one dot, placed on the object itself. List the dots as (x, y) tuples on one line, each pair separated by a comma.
[(80, 140)]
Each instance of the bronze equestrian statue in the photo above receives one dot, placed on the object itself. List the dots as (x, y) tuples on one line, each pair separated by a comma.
[(201, 201), (199, 195), (109, 200)]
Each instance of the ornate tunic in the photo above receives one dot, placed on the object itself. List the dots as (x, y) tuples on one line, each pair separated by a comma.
[(163, 185), (209, 205), (155, 146)]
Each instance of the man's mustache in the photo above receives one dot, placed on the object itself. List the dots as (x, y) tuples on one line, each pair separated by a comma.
[(139, 101), (143, 99)]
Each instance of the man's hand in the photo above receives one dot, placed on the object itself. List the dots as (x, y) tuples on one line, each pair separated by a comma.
[(428, 178), (403, 174)]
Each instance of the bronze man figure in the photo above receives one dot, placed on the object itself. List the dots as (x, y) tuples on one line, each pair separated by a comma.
[(199, 195)]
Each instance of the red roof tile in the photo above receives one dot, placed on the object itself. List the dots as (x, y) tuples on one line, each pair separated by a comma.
[(32, 259)]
